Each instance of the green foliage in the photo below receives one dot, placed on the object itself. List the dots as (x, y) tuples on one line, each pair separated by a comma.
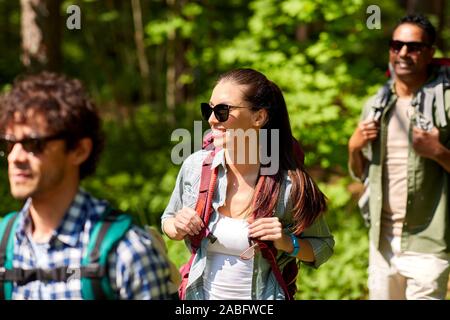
[(344, 276), (136, 173), (177, 251)]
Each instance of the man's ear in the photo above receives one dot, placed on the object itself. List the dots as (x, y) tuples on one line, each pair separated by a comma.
[(430, 54), (260, 118), (432, 51), (82, 151)]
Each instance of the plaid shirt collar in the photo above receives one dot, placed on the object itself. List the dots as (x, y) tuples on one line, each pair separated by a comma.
[(83, 206)]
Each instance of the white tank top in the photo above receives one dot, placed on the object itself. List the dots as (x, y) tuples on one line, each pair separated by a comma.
[(227, 276)]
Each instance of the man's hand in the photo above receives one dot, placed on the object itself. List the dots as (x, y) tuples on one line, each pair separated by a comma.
[(426, 143), (366, 132)]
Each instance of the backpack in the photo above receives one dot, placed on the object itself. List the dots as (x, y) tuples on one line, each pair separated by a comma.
[(161, 247), (287, 278), (105, 235), (433, 91)]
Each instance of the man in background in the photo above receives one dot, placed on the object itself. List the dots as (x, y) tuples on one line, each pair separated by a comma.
[(402, 147)]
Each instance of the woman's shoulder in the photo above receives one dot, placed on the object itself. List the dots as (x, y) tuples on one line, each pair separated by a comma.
[(195, 159), (192, 165)]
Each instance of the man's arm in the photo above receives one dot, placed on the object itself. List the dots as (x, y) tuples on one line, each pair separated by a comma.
[(357, 161), (137, 270), (366, 132)]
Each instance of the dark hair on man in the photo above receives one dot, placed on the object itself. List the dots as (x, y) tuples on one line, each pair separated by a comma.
[(422, 22), (64, 103)]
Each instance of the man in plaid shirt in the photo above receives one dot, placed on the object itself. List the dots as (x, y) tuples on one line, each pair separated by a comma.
[(50, 133)]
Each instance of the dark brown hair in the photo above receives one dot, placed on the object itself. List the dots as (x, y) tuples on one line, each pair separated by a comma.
[(423, 23), (308, 202), (65, 105)]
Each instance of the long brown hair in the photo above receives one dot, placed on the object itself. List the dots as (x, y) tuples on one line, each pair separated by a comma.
[(308, 202)]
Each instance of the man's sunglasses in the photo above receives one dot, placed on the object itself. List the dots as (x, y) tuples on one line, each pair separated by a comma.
[(34, 145), (397, 45), (221, 111)]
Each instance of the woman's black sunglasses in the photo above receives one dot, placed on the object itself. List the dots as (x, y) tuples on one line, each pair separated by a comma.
[(221, 111), (34, 145)]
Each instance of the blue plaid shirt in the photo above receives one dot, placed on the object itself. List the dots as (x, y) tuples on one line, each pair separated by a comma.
[(136, 269)]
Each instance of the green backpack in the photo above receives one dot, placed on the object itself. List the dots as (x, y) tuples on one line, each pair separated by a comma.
[(105, 235)]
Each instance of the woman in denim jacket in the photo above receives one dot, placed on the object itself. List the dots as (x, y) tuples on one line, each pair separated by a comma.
[(242, 104)]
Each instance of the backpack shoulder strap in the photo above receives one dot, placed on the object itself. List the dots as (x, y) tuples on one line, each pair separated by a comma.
[(432, 94), (382, 99), (7, 230), (106, 234), (204, 207), (442, 85), (268, 251)]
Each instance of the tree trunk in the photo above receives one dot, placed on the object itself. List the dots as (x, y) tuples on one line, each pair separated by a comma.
[(301, 33), (41, 34), (171, 77), (440, 12), (140, 48), (411, 6), (181, 64), (176, 91)]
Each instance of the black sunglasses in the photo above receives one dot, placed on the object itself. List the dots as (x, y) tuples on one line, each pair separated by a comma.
[(221, 111), (34, 145), (397, 45)]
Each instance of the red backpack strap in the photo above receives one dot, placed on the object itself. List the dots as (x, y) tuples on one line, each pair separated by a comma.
[(204, 207), (268, 251), (207, 143)]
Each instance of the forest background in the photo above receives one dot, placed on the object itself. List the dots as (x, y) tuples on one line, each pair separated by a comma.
[(149, 63)]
